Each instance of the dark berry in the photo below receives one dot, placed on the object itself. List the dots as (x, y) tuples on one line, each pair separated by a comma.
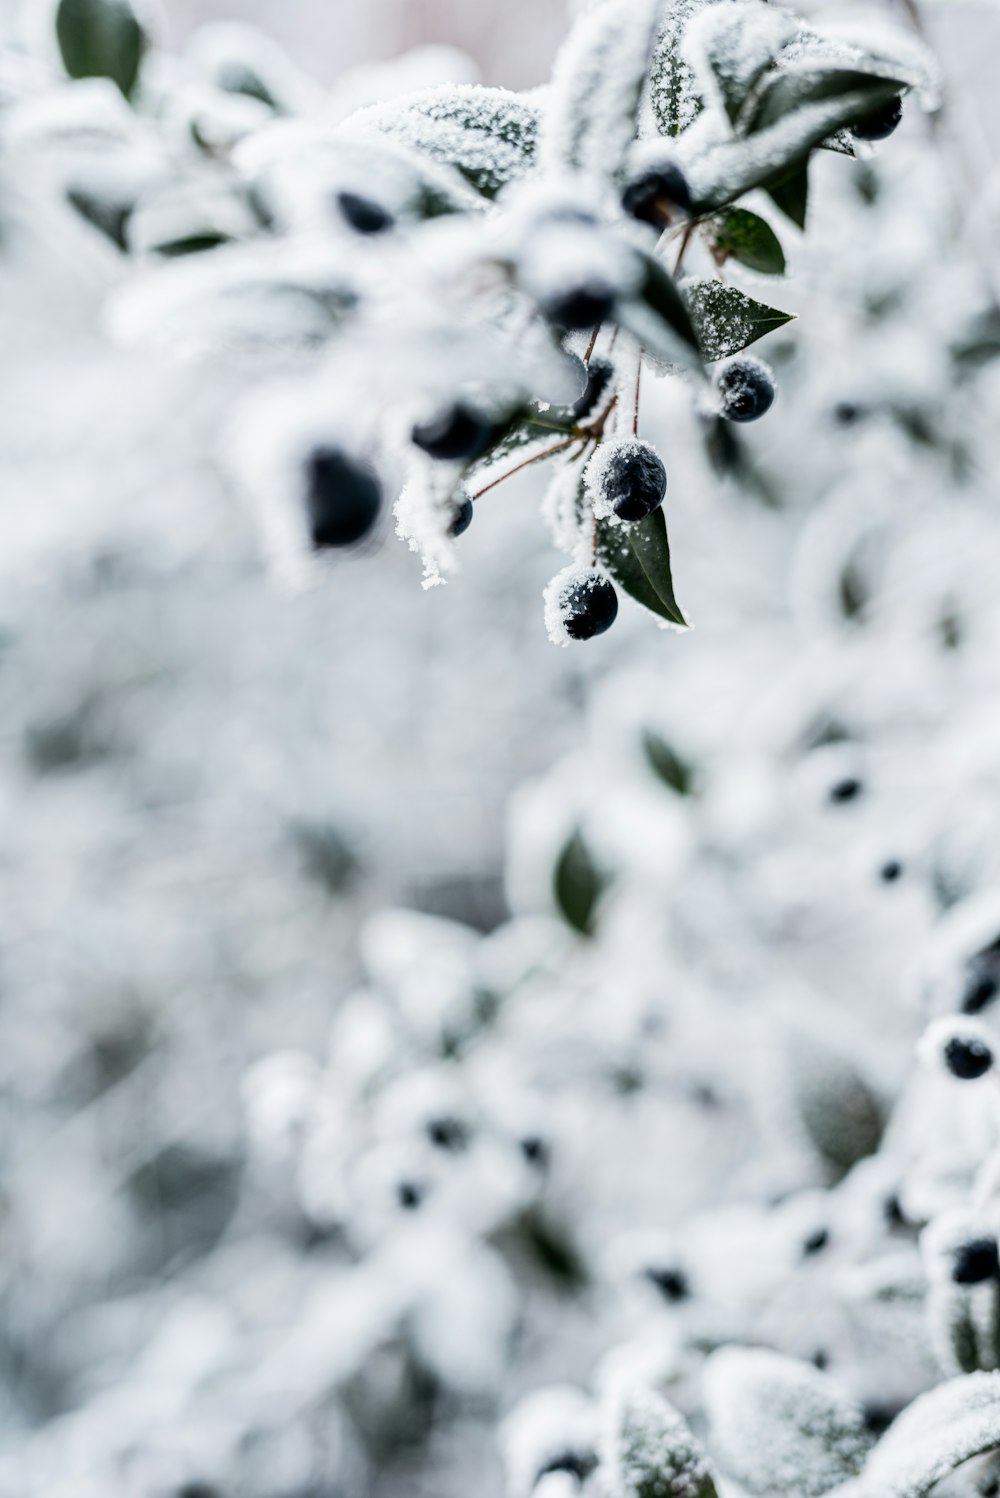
[(880, 123), (457, 434), (343, 498), (976, 1261), (535, 1151), (980, 986), (891, 871), (672, 1283), (599, 375), (448, 1133), (816, 1242), (364, 215), (633, 481), (409, 1195), (746, 390), (846, 790), (658, 195), (579, 1464), (581, 307), (462, 517), (589, 607), (967, 1059), (849, 413)]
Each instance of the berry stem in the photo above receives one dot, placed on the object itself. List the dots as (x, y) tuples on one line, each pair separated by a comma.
[(592, 344), (525, 463), (682, 251), (635, 408)]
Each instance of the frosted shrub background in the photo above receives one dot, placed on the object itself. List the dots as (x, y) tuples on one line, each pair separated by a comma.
[(433, 1062)]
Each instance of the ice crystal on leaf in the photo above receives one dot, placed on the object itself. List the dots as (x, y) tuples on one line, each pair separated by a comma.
[(651, 1452)]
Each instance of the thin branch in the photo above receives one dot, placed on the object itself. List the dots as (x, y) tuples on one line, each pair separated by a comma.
[(526, 463), (635, 409)]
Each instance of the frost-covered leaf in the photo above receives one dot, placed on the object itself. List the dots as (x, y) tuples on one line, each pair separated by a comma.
[(638, 558), (578, 884), (934, 1435), (659, 318), (842, 1114), (780, 1426), (651, 1452), (727, 319), (488, 134), (733, 44), (101, 39), (748, 238), (597, 84), (793, 114), (674, 90)]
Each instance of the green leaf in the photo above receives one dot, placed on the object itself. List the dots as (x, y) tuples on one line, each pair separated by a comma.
[(789, 191), (935, 1434), (578, 884), (597, 84), (840, 1111), (637, 556), (727, 319), (101, 39), (780, 1426), (674, 91), (795, 90), (489, 135), (739, 43), (658, 317), (749, 239), (652, 1452), (667, 764)]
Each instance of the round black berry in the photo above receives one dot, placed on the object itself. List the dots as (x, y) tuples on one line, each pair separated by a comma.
[(448, 1133), (535, 1151), (967, 1058), (746, 390), (364, 215), (343, 498), (672, 1282), (409, 1194), (658, 195), (633, 481), (588, 607), (580, 307), (457, 434), (846, 790), (464, 512), (976, 1261), (880, 123), (599, 376), (816, 1242), (891, 871)]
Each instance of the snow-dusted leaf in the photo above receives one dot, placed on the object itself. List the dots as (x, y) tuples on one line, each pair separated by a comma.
[(638, 558), (597, 84), (488, 134), (746, 237), (780, 1426), (101, 39), (841, 1113), (733, 43), (659, 318), (578, 884), (651, 1452), (934, 1435), (727, 319), (790, 117), (674, 90)]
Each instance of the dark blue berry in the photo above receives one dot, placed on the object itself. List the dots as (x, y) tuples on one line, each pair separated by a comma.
[(891, 871), (462, 518), (409, 1195), (658, 195), (976, 1261), (746, 390), (456, 434), (448, 1133), (634, 481), (535, 1151), (364, 215), (880, 123), (846, 790), (816, 1242), (967, 1059), (589, 608), (343, 498), (599, 376), (580, 307), (672, 1282)]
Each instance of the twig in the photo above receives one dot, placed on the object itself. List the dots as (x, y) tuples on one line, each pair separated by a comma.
[(526, 463)]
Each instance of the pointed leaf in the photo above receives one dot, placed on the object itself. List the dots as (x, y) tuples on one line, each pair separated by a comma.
[(578, 885), (638, 558), (652, 1452), (727, 319), (935, 1434), (659, 319), (790, 192), (674, 89), (101, 39), (749, 239)]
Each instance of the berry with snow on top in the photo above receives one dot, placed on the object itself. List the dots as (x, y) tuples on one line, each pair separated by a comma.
[(456, 434), (976, 1261), (880, 123), (658, 195), (364, 215), (962, 1046), (580, 307), (627, 479), (343, 498), (746, 389), (580, 602)]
